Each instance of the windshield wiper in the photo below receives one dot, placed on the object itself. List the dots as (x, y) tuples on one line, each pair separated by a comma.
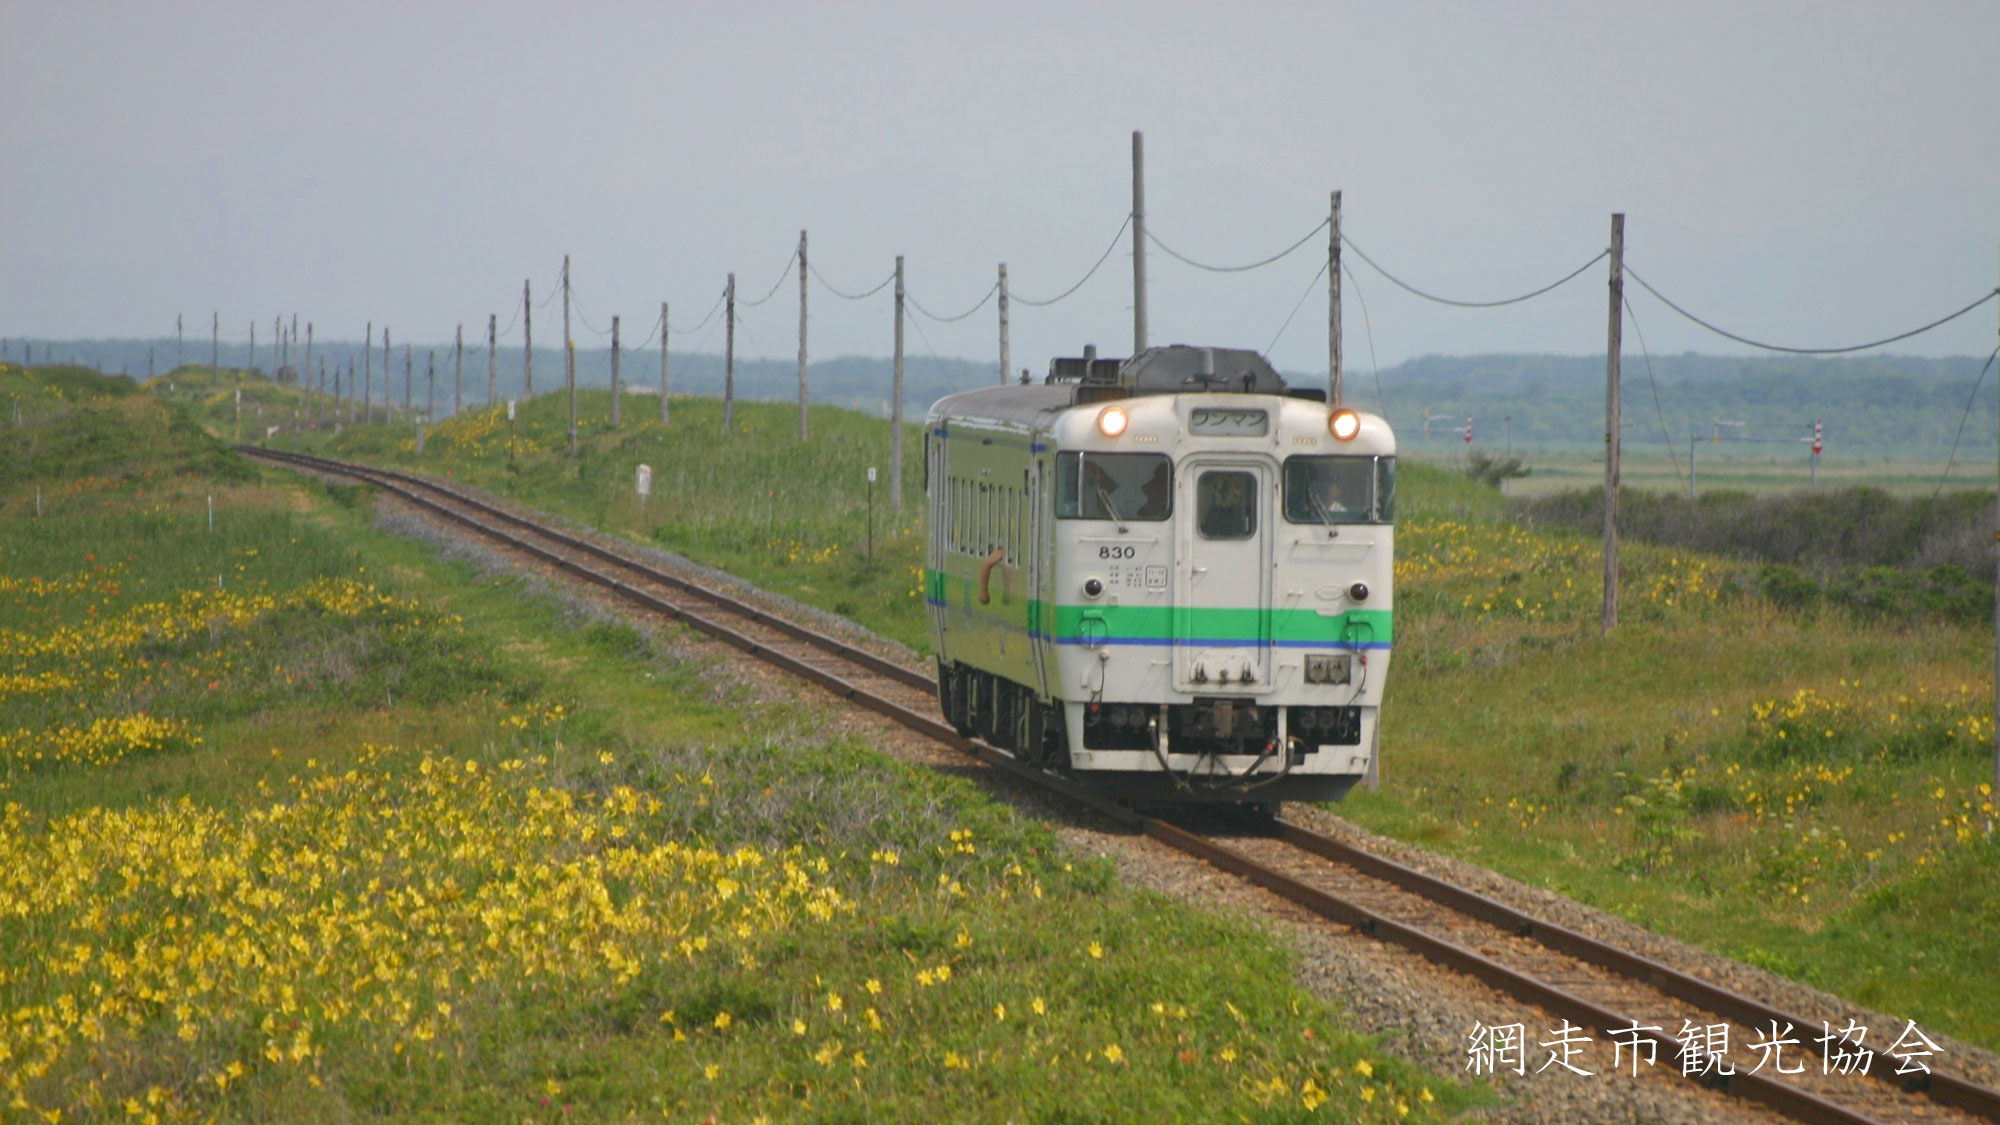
[(1109, 507), (1325, 516)]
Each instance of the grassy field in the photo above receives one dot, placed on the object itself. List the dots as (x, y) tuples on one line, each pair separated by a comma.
[(1807, 791), (299, 821)]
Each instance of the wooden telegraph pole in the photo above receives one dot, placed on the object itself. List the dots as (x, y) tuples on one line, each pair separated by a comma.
[(430, 387), (729, 356), (1333, 387), (492, 358), (314, 405), (615, 355), (388, 393), (1006, 356), (409, 364), (368, 374), (215, 339), (664, 323), (804, 429), (1611, 421), (528, 333), (458, 371), (180, 342), (896, 403), (1138, 245), (569, 359)]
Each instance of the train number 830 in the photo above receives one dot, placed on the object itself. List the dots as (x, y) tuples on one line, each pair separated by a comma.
[(1117, 552)]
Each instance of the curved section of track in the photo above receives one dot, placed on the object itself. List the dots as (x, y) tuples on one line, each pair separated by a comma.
[(1570, 975)]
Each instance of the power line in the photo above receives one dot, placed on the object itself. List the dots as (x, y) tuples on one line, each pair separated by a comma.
[(576, 301), (782, 276), (1989, 295), (850, 296), (911, 298), (1673, 452), (704, 320), (1122, 227), (1949, 461), (1310, 286), (935, 360), (1374, 365), (650, 333), (1155, 240), (1407, 287)]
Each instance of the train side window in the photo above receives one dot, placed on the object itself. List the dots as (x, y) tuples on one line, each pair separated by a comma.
[(1385, 489), (1225, 503)]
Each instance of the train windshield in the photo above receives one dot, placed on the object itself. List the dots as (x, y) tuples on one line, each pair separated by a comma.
[(1114, 486), (1328, 490)]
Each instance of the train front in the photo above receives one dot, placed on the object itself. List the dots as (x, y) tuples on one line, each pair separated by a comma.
[(1223, 586)]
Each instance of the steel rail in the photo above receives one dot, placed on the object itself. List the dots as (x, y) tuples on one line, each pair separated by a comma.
[(735, 605), (1791, 1101), (1942, 1088)]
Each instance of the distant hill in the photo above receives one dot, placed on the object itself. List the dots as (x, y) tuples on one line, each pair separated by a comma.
[(1883, 404)]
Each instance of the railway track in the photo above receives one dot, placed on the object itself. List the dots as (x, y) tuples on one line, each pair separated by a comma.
[(1570, 976)]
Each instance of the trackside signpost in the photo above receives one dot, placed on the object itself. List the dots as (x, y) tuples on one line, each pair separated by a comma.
[(643, 482)]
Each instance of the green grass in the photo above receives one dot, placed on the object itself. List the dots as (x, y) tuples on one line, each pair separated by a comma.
[(1631, 771), (303, 837)]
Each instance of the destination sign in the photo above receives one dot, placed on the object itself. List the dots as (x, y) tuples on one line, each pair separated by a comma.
[(1214, 422)]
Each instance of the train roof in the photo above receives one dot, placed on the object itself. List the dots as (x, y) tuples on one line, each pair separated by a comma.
[(1079, 381)]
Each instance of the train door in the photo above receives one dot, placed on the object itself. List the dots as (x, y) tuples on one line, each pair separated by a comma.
[(1222, 614), (1032, 556)]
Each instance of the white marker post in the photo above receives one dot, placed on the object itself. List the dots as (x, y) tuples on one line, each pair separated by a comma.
[(510, 432), (871, 513), (644, 484)]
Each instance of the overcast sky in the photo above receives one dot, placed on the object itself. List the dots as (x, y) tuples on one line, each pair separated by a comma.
[(1815, 174)]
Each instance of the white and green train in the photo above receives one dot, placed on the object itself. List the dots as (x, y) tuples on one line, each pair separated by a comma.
[(1170, 574)]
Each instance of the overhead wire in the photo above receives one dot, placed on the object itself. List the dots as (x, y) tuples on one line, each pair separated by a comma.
[(719, 299), (782, 276), (1031, 302), (936, 360), (1155, 240), (1407, 287), (1673, 451), (1962, 419), (831, 288), (1374, 366), (1726, 334), (914, 303), (1299, 304)]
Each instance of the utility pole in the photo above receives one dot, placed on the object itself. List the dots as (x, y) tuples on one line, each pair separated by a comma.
[(299, 378), (368, 374), (408, 366), (1611, 421), (729, 356), (458, 371), (308, 369), (388, 393), (430, 387), (1006, 356), (215, 339), (896, 403), (180, 342), (527, 331), (492, 358), (149, 364), (664, 326), (1138, 253), (569, 359), (804, 430), (1333, 386), (615, 389)]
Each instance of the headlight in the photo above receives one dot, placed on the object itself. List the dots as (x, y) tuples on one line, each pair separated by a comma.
[(1343, 424), (1112, 421)]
